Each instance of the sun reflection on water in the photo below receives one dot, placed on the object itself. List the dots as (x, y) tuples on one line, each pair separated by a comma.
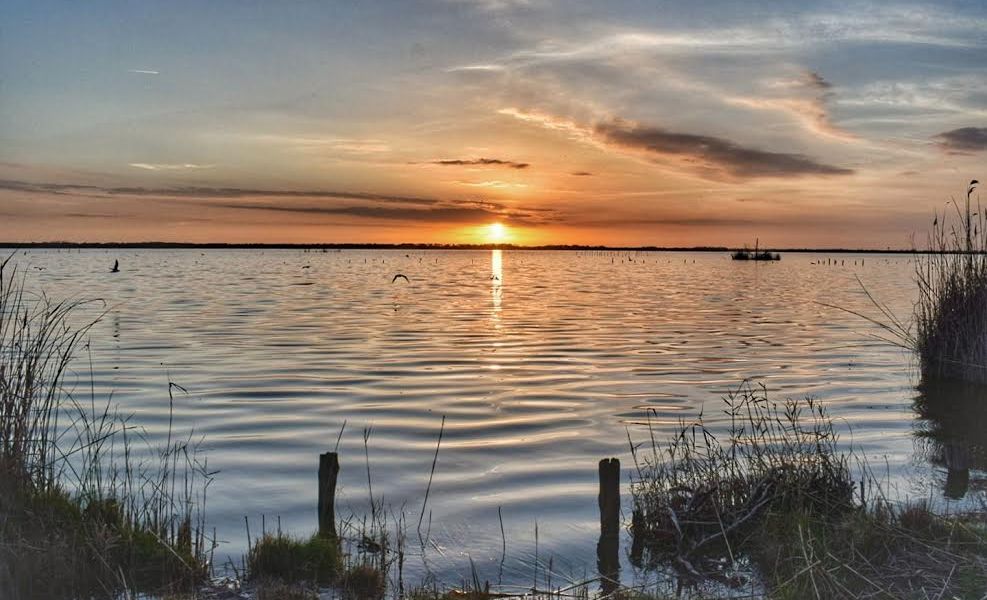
[(496, 280)]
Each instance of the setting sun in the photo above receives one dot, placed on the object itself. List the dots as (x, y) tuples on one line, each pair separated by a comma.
[(496, 233)]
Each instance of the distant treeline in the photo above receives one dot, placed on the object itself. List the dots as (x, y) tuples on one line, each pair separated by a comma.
[(356, 246)]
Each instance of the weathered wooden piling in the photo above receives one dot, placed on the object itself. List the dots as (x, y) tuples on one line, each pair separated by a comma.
[(328, 471), (607, 550), (609, 496)]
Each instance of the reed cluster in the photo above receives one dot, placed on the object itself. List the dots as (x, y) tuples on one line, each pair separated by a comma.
[(951, 312), (85, 509), (771, 504)]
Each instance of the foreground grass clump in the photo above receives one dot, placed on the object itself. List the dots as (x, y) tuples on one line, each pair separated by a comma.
[(286, 558), (951, 312), (774, 505), (295, 566), (55, 545), (74, 520), (907, 552), (364, 582)]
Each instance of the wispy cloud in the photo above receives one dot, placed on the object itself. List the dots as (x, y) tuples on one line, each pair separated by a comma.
[(168, 166), (494, 184), (963, 140), (206, 192), (317, 202), (941, 95), (477, 68), (806, 98), (709, 156), (498, 5), (877, 25), (316, 144), (439, 214), (548, 121)]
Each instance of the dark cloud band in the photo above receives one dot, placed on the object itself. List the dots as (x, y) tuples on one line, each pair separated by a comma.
[(339, 203), (483, 162), (207, 192), (964, 139), (713, 152)]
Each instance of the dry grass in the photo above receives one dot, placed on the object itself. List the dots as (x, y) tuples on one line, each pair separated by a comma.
[(773, 506), (696, 499)]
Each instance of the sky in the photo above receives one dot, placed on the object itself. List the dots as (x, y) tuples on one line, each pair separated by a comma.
[(822, 124)]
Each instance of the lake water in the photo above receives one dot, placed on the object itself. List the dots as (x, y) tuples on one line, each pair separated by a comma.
[(541, 362)]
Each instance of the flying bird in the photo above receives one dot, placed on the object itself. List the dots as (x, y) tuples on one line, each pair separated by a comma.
[(400, 276)]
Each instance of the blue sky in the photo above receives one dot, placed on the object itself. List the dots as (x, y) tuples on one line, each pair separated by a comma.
[(667, 123)]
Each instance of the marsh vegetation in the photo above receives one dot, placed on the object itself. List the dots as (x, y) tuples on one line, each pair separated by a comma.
[(85, 509), (951, 312), (770, 504)]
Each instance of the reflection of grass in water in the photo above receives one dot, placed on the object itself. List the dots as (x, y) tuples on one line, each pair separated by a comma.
[(953, 424), (773, 502), (954, 413)]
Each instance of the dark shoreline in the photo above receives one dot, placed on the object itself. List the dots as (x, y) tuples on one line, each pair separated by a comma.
[(413, 246)]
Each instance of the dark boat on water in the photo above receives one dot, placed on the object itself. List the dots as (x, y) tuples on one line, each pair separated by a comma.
[(746, 254)]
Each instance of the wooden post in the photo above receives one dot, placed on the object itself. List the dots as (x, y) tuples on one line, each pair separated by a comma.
[(607, 550), (609, 496), (328, 471)]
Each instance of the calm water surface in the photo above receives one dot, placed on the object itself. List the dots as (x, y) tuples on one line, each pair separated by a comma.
[(541, 362)]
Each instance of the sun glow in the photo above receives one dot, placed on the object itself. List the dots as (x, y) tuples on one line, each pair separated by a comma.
[(496, 233)]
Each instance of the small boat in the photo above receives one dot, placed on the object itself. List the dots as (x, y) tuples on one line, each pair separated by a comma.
[(757, 254)]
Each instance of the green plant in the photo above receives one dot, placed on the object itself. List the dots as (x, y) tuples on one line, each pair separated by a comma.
[(280, 556)]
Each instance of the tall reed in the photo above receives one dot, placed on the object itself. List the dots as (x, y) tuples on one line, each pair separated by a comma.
[(82, 507), (951, 312), (698, 493), (37, 343)]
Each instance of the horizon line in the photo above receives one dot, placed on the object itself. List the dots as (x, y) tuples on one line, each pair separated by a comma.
[(152, 245)]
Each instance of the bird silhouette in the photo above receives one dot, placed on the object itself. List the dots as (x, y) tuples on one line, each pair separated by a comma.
[(400, 276), (116, 267)]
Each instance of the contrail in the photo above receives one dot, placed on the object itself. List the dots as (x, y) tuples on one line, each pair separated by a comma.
[(144, 71)]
